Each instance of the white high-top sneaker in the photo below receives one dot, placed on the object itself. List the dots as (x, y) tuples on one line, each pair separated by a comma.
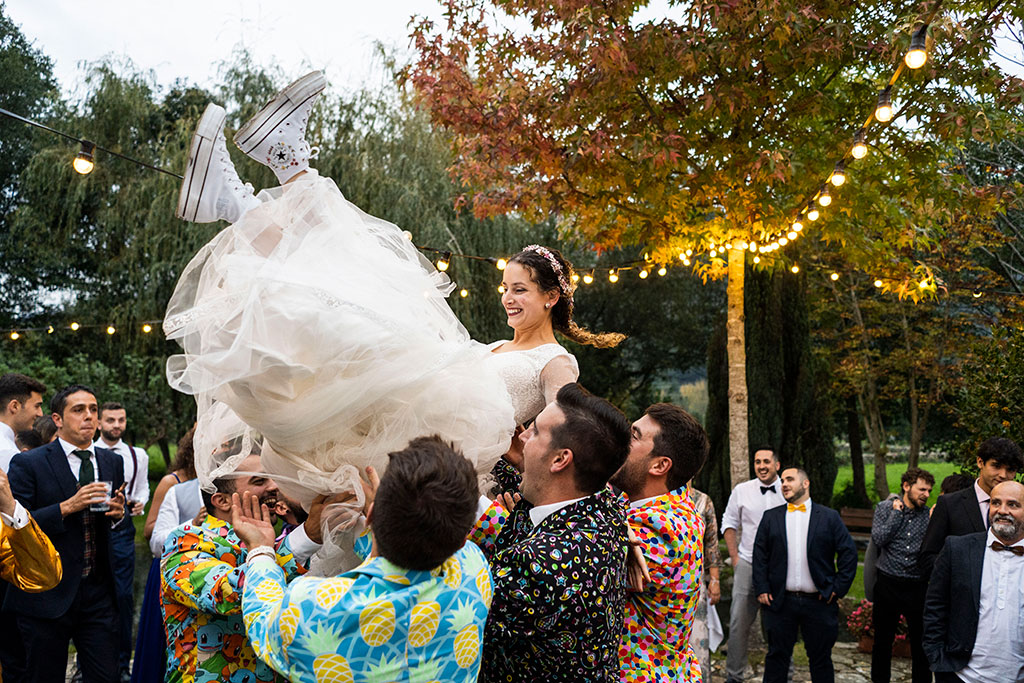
[(275, 136), (212, 190)]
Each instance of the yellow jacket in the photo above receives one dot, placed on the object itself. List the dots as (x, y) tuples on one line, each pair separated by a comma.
[(28, 559)]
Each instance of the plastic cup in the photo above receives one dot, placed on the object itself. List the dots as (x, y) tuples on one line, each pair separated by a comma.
[(104, 505)]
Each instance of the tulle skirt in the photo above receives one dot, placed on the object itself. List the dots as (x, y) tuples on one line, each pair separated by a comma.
[(323, 329)]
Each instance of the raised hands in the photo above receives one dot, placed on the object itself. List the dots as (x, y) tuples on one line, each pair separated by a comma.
[(251, 520)]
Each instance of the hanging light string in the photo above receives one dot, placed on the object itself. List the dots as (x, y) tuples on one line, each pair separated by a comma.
[(87, 148)]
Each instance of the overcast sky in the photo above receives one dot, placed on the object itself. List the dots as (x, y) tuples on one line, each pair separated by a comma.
[(187, 38)]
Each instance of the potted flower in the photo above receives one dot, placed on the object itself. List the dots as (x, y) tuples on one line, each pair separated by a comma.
[(861, 625)]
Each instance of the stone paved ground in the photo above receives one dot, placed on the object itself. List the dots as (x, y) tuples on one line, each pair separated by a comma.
[(852, 666)]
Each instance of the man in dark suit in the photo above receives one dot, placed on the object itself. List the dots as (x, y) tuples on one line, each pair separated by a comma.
[(804, 561), (57, 483), (966, 511), (973, 610)]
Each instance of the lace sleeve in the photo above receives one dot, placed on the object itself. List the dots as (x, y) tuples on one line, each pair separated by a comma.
[(558, 372)]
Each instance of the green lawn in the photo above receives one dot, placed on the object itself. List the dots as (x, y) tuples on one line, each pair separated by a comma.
[(940, 470)]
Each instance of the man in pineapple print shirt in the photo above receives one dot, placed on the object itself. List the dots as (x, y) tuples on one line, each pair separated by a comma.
[(414, 610), (203, 571), (559, 558), (669, 447)]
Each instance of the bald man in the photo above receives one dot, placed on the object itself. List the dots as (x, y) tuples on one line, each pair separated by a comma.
[(977, 577)]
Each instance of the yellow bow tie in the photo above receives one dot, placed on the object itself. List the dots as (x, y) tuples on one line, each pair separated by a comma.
[(796, 508)]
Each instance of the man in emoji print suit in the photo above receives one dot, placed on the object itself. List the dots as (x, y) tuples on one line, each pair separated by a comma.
[(559, 558), (668, 449), (413, 610)]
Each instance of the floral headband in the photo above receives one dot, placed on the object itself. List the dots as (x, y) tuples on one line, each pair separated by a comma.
[(555, 266)]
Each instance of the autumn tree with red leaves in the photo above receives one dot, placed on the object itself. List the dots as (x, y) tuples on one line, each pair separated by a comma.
[(713, 125)]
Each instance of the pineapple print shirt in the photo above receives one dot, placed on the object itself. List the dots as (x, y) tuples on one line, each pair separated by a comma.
[(377, 622), (203, 574), (656, 645), (559, 592)]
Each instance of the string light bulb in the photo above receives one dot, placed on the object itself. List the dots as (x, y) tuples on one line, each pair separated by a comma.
[(795, 269), (575, 277), (644, 274), (792, 235), (442, 263), (812, 214), (588, 278), (110, 329), (689, 252), (14, 336), (501, 289), (84, 161), (662, 271), (838, 176), (613, 276), (501, 264), (797, 226), (883, 110), (878, 283), (753, 247), (833, 277), (686, 261), (49, 329), (407, 235), (917, 55), (977, 294), (463, 292), (74, 327), (824, 197), (147, 328), (860, 145), (783, 241), (741, 245), (712, 253), (757, 259)]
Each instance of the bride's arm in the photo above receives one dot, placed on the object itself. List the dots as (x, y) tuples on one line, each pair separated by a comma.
[(559, 371)]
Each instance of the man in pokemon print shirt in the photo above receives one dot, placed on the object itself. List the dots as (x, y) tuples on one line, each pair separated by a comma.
[(668, 448), (203, 573), (414, 610)]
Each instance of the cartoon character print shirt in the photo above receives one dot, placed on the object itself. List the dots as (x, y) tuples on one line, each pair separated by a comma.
[(201, 596), (559, 592), (377, 622), (656, 645)]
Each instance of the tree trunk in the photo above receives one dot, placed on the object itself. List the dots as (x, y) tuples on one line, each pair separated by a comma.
[(856, 452), (739, 459), (869, 406), (916, 432), (165, 450)]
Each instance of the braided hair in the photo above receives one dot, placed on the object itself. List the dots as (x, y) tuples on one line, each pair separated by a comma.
[(553, 272)]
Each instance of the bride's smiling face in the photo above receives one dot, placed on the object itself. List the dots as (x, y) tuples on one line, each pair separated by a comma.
[(525, 304)]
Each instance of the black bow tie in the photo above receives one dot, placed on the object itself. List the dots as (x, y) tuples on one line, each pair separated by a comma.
[(1017, 550), (766, 489)]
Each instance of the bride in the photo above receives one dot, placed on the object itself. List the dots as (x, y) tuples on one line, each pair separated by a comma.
[(325, 330)]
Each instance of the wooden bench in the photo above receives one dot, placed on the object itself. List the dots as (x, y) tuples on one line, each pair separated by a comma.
[(858, 521)]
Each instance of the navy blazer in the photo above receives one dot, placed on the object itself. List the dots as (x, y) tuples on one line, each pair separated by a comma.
[(831, 554), (953, 600), (955, 514), (41, 480)]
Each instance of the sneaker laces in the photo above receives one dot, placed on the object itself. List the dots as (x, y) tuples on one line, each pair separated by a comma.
[(230, 172)]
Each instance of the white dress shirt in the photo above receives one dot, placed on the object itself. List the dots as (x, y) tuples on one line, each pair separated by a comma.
[(8, 449), (180, 505), (798, 570), (17, 520), (744, 509), (76, 463), (541, 512), (139, 493), (983, 501), (998, 653)]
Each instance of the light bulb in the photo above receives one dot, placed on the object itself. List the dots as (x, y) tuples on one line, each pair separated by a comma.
[(860, 145), (741, 245), (613, 276), (501, 264), (878, 283), (442, 263), (838, 174), (977, 294), (147, 328), (795, 269), (575, 277), (644, 274), (407, 235), (682, 256), (883, 110), (753, 247), (712, 253), (662, 271), (813, 214), (463, 293), (110, 329), (757, 259), (686, 261), (49, 329), (917, 55), (792, 235), (824, 198), (783, 241), (84, 162), (15, 335), (501, 289), (75, 326), (798, 226), (689, 252), (834, 277), (588, 278)]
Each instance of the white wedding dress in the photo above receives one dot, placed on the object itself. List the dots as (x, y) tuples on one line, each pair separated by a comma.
[(324, 330)]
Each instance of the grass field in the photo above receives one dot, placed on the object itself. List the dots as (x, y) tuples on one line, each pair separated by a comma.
[(939, 470)]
